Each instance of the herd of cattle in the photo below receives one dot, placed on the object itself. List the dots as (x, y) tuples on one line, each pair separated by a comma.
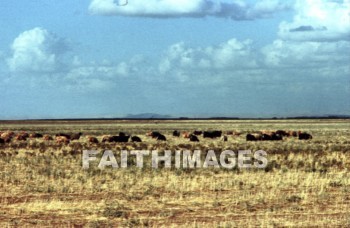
[(64, 138)]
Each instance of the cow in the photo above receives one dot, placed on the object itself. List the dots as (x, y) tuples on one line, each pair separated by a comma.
[(161, 138), (282, 133), (136, 139), (7, 139), (21, 137), (197, 132), (212, 134), (120, 138), (154, 134), (186, 135), (92, 139), (75, 136), (107, 138), (35, 135), (292, 133), (253, 137), (47, 137), (2, 141), (176, 133), (276, 137), (62, 139), (63, 135), (7, 134), (304, 136), (194, 138)]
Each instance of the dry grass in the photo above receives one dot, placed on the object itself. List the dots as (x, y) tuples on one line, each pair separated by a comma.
[(306, 183)]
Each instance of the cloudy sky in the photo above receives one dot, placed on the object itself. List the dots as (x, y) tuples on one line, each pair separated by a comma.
[(198, 58)]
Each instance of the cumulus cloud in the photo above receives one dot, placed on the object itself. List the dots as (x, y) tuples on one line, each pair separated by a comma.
[(237, 10), (36, 50), (229, 55), (318, 20), (282, 53)]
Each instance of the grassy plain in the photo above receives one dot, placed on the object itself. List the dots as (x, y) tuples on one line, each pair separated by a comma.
[(306, 183)]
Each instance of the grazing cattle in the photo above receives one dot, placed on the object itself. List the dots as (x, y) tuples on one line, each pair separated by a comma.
[(7, 134), (92, 139), (176, 133), (136, 139), (304, 136), (224, 138), (35, 135), (194, 138), (2, 141), (161, 138), (62, 140), (197, 133), (253, 137), (212, 134), (47, 137), (63, 135), (75, 136)]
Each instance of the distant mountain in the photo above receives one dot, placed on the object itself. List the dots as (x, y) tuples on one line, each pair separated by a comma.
[(147, 116)]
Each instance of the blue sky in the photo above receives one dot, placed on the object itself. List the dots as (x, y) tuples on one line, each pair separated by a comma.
[(198, 58)]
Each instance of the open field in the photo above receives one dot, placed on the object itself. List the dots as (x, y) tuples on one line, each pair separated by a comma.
[(306, 183)]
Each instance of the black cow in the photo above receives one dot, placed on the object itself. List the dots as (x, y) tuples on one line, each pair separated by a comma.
[(253, 137), (304, 136), (161, 137), (120, 138), (194, 138), (197, 132), (212, 134), (282, 133), (154, 134), (276, 137), (176, 133), (136, 139), (2, 141)]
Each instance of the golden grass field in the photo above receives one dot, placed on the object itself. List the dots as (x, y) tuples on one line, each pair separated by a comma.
[(306, 183)]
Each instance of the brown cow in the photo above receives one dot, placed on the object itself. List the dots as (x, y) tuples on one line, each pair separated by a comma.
[(47, 137), (62, 139), (92, 139), (186, 135), (7, 134)]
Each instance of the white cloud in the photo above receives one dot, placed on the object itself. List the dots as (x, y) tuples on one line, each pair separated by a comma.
[(36, 50), (318, 20), (283, 53), (237, 10), (230, 55)]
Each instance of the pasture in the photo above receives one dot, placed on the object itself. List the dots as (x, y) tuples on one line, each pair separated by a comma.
[(306, 182)]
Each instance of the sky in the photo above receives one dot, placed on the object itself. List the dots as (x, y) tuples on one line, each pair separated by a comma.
[(195, 58)]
